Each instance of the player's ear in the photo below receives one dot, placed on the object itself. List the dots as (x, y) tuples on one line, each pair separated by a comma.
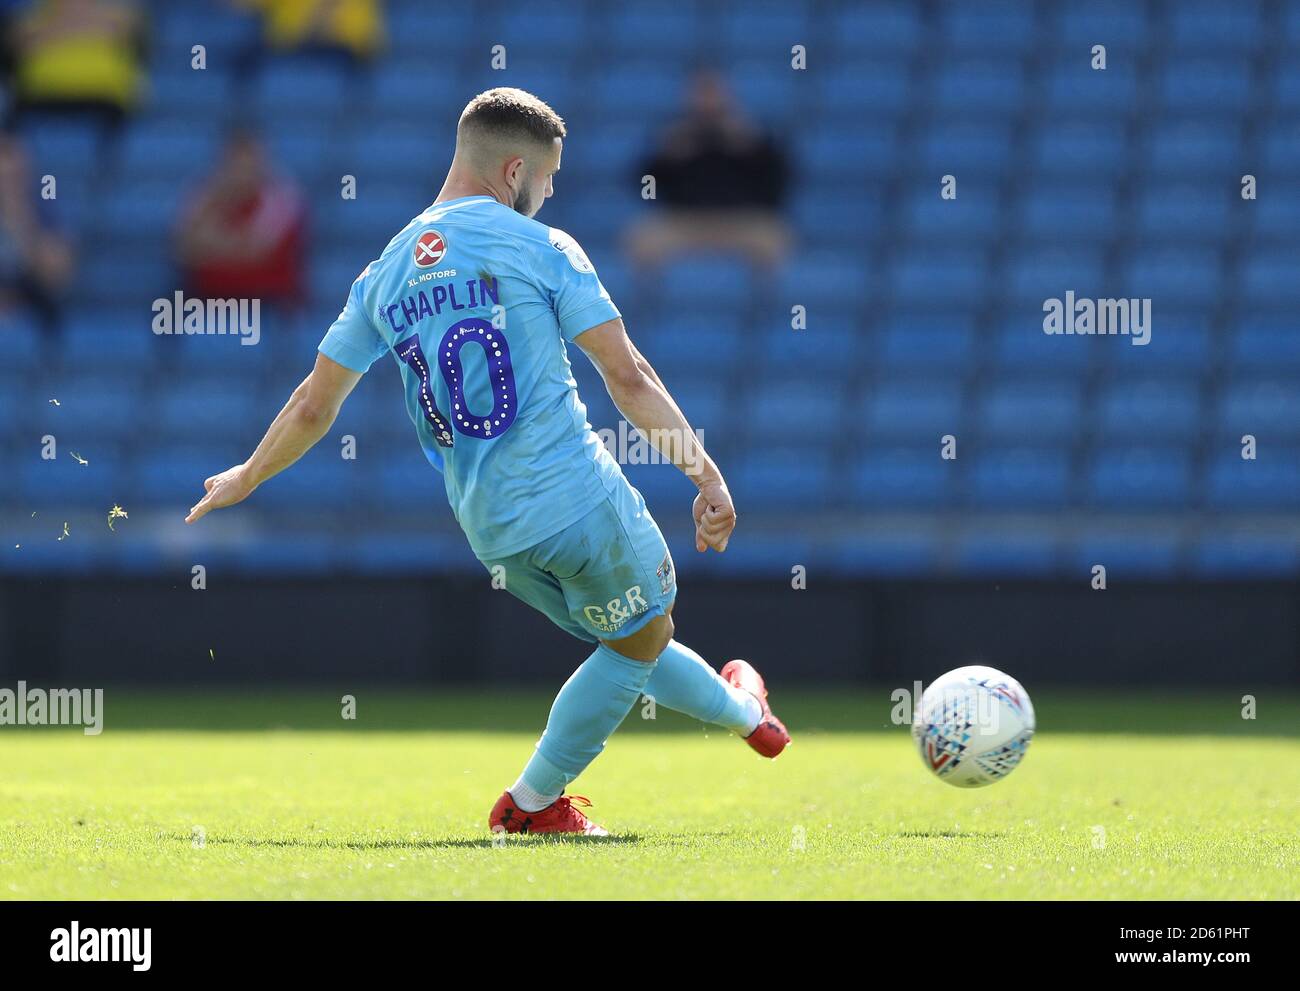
[(515, 171)]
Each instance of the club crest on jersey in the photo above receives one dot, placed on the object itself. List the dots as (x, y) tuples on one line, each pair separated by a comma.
[(430, 248)]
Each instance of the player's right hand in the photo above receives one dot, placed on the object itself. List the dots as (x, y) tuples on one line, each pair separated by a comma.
[(715, 517), (225, 489)]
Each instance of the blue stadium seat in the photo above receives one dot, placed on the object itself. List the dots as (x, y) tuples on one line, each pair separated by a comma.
[(1125, 554), (835, 218), (1235, 556), (1123, 25), (975, 215), (670, 30), (198, 410), (1075, 89), (1091, 149), (1151, 408), (939, 276), (1185, 212), (963, 150), (1270, 481), (892, 554), (853, 90), (321, 478), (1214, 27), (289, 553), (656, 89), (999, 25), (783, 408), (1207, 86), (1179, 343), (428, 553), (1056, 214), (174, 475), (707, 281), (839, 151), (1278, 151), (181, 93), (827, 347), (1264, 408), (1268, 277), (1037, 409), (48, 486), (1005, 478), (1195, 147), (892, 28), (21, 343), (546, 27), (992, 88), (1178, 275), (152, 205), (810, 278), (172, 151), (1038, 274), (691, 341), (764, 27), (1136, 478), (925, 409), (1006, 554), (1277, 215), (928, 341), (1265, 345), (411, 30), (905, 477), (772, 477), (1023, 346), (305, 85), (772, 99)]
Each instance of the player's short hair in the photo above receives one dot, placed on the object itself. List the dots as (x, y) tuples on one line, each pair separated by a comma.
[(507, 114)]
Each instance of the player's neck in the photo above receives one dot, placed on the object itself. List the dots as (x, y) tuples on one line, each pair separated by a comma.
[(459, 185)]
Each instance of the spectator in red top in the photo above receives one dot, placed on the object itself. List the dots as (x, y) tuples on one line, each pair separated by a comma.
[(243, 234)]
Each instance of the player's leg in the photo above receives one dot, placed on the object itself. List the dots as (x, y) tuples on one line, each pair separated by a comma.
[(685, 682), (601, 692), (641, 581)]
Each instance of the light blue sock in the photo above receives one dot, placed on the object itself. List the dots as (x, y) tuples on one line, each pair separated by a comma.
[(683, 681), (590, 706)]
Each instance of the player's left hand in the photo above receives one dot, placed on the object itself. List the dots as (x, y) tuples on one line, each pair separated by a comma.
[(715, 517), (225, 489)]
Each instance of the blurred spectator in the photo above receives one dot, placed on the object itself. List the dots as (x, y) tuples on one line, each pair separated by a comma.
[(78, 57), (35, 261), (721, 183), (351, 27), (243, 234)]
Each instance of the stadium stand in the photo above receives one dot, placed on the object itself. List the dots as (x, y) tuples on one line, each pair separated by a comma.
[(924, 315)]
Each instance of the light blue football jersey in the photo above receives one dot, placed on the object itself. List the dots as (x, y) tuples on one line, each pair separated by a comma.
[(475, 302)]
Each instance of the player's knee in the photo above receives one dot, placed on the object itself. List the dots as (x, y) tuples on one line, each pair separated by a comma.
[(647, 643)]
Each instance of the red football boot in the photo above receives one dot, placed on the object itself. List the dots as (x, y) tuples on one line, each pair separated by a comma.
[(770, 737), (561, 816)]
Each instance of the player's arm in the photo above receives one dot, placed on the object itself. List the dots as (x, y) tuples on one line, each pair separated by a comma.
[(305, 419), (640, 396)]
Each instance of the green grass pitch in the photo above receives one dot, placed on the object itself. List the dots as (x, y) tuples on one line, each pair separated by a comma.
[(277, 797)]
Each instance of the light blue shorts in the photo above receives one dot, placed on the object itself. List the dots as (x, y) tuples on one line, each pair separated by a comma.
[(601, 578)]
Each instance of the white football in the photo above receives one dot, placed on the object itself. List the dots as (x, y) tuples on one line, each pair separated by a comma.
[(973, 726)]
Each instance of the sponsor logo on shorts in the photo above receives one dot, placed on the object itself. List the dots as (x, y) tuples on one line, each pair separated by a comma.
[(614, 613)]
